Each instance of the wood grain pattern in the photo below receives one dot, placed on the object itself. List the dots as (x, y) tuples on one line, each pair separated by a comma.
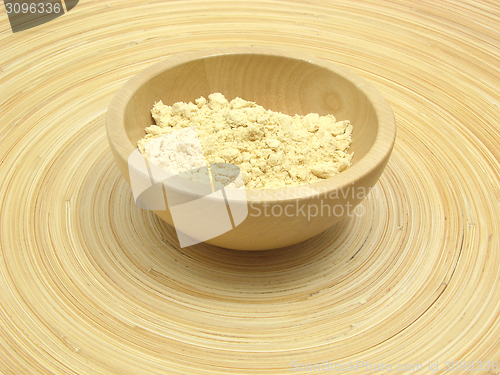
[(91, 285)]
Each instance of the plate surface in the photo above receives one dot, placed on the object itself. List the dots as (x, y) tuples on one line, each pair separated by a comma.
[(89, 284)]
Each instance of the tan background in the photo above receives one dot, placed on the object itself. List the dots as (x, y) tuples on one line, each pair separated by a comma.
[(89, 284)]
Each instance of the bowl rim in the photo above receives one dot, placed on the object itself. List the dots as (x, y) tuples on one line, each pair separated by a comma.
[(376, 157)]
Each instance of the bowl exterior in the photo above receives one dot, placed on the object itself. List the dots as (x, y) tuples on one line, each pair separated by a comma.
[(277, 224)]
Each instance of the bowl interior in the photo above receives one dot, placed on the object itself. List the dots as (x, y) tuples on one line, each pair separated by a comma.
[(280, 83)]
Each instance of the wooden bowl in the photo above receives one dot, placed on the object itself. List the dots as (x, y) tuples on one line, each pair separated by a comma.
[(281, 81)]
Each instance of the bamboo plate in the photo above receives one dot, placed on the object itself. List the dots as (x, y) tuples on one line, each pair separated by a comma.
[(89, 284)]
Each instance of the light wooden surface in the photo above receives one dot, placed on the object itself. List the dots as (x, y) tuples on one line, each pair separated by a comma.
[(91, 285), (279, 80)]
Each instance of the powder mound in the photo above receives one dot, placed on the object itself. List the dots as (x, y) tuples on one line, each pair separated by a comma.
[(272, 150)]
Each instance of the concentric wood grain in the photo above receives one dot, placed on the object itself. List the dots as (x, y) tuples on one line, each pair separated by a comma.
[(89, 284)]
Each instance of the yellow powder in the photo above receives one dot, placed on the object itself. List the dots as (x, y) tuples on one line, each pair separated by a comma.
[(271, 149)]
